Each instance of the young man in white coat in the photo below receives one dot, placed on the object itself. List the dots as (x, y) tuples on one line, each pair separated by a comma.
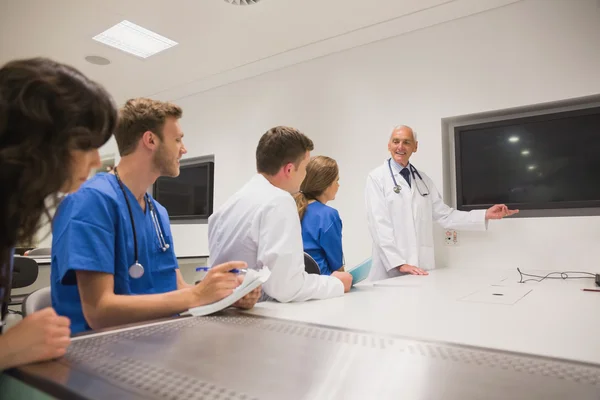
[(260, 225), (402, 204)]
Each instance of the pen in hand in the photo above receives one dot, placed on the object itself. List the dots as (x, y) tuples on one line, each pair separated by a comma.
[(233, 271)]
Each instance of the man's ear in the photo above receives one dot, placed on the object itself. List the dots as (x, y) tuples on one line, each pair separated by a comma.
[(150, 140), (287, 169), (416, 147)]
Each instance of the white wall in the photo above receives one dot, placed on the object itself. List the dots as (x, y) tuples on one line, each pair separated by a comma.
[(530, 52)]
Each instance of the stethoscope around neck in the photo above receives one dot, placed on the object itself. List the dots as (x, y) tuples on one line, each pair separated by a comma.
[(413, 172), (136, 270)]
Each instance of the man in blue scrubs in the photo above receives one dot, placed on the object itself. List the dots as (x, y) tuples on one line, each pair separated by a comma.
[(113, 260)]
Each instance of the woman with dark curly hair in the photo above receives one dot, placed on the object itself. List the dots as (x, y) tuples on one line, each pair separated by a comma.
[(52, 121)]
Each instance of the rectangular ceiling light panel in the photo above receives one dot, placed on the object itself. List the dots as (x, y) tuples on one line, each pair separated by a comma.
[(134, 39)]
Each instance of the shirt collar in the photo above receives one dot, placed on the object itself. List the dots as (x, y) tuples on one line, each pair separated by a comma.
[(399, 167)]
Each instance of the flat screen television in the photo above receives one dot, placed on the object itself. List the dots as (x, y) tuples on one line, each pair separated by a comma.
[(549, 161), (190, 195)]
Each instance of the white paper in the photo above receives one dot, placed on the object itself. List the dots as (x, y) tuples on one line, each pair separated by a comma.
[(507, 295), (252, 280)]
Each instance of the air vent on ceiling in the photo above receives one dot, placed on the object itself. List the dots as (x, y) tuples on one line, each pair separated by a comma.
[(242, 2)]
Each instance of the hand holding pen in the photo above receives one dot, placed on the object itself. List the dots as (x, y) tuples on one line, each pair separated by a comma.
[(233, 271), (218, 283)]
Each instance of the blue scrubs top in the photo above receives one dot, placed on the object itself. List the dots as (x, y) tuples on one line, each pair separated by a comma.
[(322, 236), (92, 232)]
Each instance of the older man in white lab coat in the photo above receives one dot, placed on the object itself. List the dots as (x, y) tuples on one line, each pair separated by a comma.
[(402, 204), (260, 225)]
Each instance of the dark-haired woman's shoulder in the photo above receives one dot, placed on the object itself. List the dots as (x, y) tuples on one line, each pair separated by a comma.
[(102, 184), (97, 193)]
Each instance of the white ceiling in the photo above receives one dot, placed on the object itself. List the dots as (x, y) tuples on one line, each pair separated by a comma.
[(218, 42)]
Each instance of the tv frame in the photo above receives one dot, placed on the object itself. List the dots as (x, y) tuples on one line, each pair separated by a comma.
[(458, 130), (190, 163)]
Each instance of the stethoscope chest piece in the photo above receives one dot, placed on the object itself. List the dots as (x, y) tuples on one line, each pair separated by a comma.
[(136, 270), (414, 172)]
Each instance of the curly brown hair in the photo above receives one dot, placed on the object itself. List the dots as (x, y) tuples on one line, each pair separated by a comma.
[(47, 110)]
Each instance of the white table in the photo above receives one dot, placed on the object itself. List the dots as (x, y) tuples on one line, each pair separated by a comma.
[(555, 319)]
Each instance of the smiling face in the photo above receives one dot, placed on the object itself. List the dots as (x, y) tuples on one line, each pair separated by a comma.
[(402, 145)]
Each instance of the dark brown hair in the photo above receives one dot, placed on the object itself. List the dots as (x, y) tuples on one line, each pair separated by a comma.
[(321, 172), (47, 110), (141, 115), (280, 146)]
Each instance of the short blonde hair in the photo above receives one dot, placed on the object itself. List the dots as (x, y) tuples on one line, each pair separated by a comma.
[(141, 115)]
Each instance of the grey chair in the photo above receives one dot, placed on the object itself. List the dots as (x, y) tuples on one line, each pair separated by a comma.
[(36, 301), (25, 273), (40, 251), (310, 265)]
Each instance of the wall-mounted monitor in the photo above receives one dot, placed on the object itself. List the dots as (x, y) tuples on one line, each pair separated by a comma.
[(190, 195), (549, 161)]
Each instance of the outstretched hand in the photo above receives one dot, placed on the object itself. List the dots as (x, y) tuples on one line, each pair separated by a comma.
[(499, 211)]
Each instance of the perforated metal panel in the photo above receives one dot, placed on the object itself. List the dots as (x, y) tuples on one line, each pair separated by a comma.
[(245, 357), (521, 364)]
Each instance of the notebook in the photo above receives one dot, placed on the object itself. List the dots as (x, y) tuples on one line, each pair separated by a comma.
[(252, 280), (361, 271)]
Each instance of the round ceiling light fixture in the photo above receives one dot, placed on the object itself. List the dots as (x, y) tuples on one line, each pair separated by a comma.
[(97, 60), (242, 2)]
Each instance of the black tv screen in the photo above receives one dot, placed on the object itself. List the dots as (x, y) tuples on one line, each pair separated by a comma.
[(190, 195), (543, 162)]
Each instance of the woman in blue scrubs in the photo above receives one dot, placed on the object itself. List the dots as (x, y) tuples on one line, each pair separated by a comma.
[(321, 224), (52, 122)]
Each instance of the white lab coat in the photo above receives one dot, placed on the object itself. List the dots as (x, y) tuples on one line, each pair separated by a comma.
[(401, 224), (260, 225)]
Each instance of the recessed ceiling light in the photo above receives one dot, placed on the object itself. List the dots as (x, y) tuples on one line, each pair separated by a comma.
[(134, 39), (97, 60), (513, 139), (242, 2)]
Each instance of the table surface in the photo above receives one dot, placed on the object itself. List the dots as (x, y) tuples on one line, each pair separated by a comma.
[(455, 334), (239, 356), (555, 318)]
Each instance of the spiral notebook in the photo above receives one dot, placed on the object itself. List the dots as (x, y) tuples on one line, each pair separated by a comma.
[(252, 280)]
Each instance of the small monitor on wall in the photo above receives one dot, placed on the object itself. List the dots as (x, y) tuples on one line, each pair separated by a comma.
[(549, 161), (190, 195)]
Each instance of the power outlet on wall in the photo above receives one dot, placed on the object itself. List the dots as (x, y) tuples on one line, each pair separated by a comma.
[(451, 237)]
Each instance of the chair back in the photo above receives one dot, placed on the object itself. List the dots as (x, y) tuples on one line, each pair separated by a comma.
[(36, 301), (40, 251), (25, 272), (310, 265)]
